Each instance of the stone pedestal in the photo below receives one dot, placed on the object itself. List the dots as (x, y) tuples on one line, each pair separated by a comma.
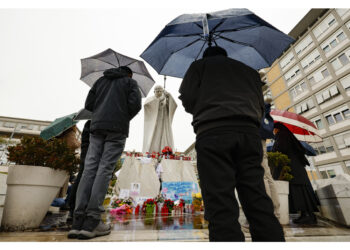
[(282, 188), (335, 202)]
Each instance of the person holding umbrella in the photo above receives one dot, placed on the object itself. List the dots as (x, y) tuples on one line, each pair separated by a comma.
[(266, 132), (225, 98), (302, 198), (114, 100)]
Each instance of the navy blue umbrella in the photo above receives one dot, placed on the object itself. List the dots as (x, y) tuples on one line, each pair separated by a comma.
[(245, 36), (309, 150)]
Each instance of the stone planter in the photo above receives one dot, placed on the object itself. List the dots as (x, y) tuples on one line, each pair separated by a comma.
[(335, 202), (30, 191), (282, 188), (3, 187)]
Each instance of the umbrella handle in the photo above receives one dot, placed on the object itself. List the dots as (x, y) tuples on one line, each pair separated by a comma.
[(164, 81)]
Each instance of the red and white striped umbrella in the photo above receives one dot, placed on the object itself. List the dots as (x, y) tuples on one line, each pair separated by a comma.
[(302, 128)]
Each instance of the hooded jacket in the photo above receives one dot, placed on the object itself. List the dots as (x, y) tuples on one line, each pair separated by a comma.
[(219, 91), (113, 100)]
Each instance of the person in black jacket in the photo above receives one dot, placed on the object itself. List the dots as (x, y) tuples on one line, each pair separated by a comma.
[(113, 100), (301, 197), (225, 98)]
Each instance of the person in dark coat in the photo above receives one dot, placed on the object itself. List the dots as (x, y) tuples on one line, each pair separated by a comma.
[(225, 98), (266, 132), (85, 141), (302, 198), (113, 100)]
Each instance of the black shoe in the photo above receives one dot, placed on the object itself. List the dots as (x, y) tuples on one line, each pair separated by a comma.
[(307, 219)]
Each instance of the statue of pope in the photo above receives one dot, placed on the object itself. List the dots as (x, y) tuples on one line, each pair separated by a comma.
[(159, 112)]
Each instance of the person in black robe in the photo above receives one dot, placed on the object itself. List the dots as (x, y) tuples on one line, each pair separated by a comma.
[(302, 197)]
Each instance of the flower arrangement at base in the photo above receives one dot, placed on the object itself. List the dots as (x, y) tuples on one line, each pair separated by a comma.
[(148, 206), (167, 207), (123, 209), (120, 202), (197, 202)]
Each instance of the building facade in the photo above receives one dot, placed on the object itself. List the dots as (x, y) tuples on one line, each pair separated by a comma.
[(312, 78), (12, 129)]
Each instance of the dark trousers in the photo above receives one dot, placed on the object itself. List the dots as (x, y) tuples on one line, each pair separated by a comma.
[(73, 193), (227, 160)]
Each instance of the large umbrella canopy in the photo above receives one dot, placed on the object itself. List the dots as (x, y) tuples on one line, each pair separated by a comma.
[(302, 128), (245, 36), (58, 126), (92, 69), (308, 149)]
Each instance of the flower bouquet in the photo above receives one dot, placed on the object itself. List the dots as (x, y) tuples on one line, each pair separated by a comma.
[(148, 206), (167, 207), (123, 209), (197, 202), (120, 202), (167, 152)]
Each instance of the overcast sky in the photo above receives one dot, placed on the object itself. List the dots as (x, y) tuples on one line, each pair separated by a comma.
[(40, 52)]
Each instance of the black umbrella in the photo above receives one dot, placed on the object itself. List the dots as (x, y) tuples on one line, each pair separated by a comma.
[(92, 68), (245, 36)]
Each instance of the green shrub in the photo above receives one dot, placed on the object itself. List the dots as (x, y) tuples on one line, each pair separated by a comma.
[(35, 151), (279, 163)]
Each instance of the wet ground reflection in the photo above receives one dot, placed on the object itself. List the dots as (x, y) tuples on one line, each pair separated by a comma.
[(157, 222)]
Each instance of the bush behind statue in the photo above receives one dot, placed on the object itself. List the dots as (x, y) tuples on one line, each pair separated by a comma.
[(35, 151)]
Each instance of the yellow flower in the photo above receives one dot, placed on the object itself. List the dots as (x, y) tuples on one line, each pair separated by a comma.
[(198, 196)]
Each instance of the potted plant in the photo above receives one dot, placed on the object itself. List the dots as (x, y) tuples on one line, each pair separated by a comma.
[(32, 184), (280, 170), (149, 206)]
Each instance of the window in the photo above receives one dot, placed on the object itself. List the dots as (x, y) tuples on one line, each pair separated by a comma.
[(343, 59), (326, 48), (325, 73), (318, 75), (340, 60), (319, 124), (323, 147), (303, 45), (327, 94), (342, 12), (330, 119), (333, 41), (297, 90), (292, 73), (342, 140), (305, 106), (338, 115), (324, 25), (341, 37), (345, 82), (287, 60), (309, 60), (346, 113)]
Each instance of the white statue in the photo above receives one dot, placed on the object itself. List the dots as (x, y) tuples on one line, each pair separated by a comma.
[(159, 113)]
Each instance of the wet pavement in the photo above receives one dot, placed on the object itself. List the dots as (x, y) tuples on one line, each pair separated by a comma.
[(185, 227)]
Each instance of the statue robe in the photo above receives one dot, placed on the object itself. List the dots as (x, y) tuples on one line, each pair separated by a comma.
[(157, 126)]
